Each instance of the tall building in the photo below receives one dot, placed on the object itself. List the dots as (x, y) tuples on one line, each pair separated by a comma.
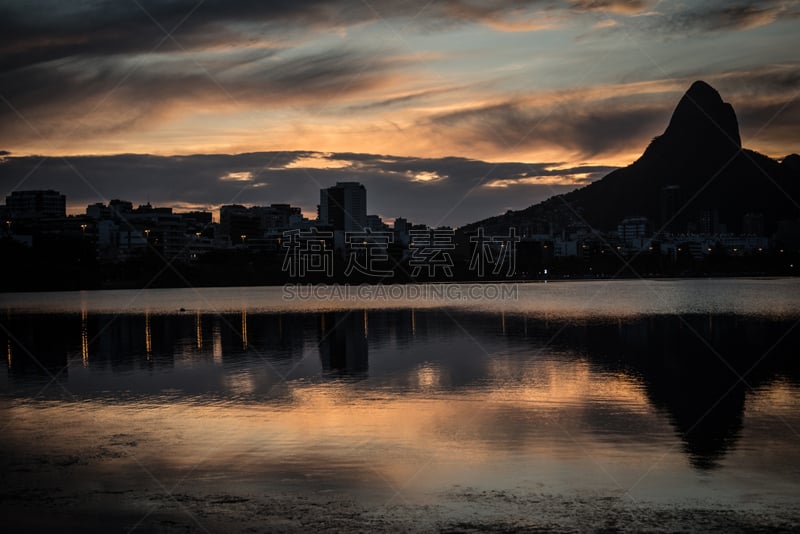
[(344, 206), (36, 204)]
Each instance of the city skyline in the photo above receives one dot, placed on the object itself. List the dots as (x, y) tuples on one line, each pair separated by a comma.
[(454, 111)]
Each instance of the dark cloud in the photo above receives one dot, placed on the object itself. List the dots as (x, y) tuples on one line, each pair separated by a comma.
[(145, 96), (44, 30), (589, 129), (769, 80), (723, 15), (38, 31), (399, 101), (456, 197), (771, 125)]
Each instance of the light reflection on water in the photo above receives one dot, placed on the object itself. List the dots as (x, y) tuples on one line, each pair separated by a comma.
[(420, 399)]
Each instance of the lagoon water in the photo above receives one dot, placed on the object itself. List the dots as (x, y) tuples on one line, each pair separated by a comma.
[(648, 394)]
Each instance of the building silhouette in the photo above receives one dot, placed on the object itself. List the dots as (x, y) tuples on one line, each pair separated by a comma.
[(36, 204), (344, 207), (631, 228)]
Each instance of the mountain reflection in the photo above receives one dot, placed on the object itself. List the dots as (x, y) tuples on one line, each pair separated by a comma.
[(689, 367)]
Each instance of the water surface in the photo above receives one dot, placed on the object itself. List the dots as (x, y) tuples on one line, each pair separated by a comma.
[(676, 393)]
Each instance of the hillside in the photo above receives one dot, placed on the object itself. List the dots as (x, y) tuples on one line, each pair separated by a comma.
[(695, 176)]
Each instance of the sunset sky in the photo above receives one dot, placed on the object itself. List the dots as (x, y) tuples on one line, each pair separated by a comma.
[(448, 111)]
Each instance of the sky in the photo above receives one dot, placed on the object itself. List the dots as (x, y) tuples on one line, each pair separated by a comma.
[(448, 111)]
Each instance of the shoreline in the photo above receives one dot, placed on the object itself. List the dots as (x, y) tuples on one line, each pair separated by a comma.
[(462, 510), (714, 276)]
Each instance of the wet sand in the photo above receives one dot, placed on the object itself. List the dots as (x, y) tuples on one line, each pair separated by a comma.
[(136, 511), (57, 493)]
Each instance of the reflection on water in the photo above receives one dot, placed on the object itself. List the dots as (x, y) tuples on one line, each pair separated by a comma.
[(479, 398)]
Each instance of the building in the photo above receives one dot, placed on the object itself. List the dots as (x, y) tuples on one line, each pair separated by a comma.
[(236, 221), (671, 200), (753, 224), (706, 221), (344, 207), (376, 224), (122, 231), (120, 209), (36, 204), (257, 221), (98, 211), (632, 228)]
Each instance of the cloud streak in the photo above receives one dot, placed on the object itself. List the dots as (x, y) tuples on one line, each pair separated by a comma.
[(719, 16)]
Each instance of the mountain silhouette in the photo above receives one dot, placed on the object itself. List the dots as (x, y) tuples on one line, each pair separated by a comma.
[(695, 177)]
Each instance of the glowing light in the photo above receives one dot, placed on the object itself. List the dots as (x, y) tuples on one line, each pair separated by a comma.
[(428, 376), (244, 176), (148, 340), (84, 339), (319, 161), (244, 329), (557, 179), (425, 176), (198, 327), (216, 350)]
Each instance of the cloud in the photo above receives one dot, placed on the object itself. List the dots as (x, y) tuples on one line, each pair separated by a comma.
[(425, 176), (102, 77), (241, 176), (726, 16), (610, 6), (101, 96), (39, 31), (431, 190), (587, 129), (42, 31), (401, 100)]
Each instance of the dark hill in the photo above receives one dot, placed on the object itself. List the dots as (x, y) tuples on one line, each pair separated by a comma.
[(696, 173)]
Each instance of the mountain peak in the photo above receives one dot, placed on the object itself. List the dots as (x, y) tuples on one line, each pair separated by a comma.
[(703, 119), (701, 90), (694, 172)]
